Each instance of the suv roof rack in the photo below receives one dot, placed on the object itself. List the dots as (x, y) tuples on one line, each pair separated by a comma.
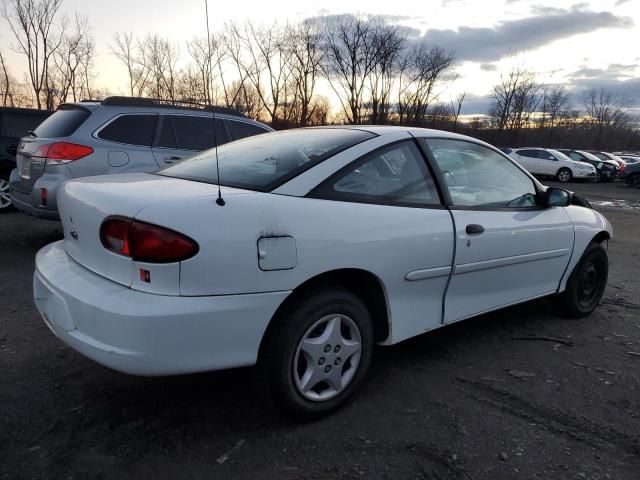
[(158, 103)]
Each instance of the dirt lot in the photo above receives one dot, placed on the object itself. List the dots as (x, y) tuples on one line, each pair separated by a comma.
[(472, 401)]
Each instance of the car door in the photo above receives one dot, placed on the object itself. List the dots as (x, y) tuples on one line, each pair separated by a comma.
[(549, 164), (182, 136), (528, 158), (509, 248), (402, 230)]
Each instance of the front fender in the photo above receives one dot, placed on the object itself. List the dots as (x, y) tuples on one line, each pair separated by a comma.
[(587, 224)]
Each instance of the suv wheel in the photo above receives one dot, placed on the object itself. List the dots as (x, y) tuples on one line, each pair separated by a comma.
[(318, 353), (5, 198), (564, 175)]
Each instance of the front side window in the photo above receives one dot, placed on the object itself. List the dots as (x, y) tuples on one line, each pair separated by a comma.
[(477, 176), (131, 129), (396, 174), (263, 162)]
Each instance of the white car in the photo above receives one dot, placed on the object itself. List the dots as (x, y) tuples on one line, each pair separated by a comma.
[(546, 161), (323, 242)]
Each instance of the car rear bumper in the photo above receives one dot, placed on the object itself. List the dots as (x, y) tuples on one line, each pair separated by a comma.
[(30, 202), (146, 334)]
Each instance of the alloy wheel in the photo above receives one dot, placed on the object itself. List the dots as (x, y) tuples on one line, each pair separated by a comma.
[(5, 198), (327, 357)]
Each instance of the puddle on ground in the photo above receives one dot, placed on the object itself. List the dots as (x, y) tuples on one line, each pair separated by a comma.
[(626, 204)]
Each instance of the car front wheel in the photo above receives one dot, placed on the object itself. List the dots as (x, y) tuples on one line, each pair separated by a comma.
[(564, 175), (318, 353), (586, 284)]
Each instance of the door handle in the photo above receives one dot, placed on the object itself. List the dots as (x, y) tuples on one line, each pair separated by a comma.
[(475, 229), (171, 159)]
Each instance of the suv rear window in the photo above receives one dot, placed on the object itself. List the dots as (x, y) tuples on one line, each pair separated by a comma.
[(131, 129), (264, 162), (62, 123)]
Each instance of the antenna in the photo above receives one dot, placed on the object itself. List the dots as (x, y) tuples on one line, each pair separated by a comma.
[(219, 201)]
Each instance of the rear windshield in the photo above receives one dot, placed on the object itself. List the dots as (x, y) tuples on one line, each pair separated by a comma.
[(264, 162), (62, 123)]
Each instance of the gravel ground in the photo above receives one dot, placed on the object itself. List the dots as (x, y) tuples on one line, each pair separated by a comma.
[(470, 401)]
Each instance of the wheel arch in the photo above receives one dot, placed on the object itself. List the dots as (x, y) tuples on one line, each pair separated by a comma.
[(367, 286)]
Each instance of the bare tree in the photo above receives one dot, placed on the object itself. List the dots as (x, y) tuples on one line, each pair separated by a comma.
[(160, 57), (70, 72), (555, 107), (513, 102), (128, 52), (5, 83), (350, 57), (205, 56), (305, 55), (421, 72), (32, 23), (389, 45), (456, 108), (606, 112)]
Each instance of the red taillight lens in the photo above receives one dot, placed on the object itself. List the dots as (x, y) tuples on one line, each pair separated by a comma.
[(62, 152), (114, 235), (145, 242)]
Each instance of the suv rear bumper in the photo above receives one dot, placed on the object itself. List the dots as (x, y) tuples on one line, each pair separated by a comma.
[(147, 334), (31, 202)]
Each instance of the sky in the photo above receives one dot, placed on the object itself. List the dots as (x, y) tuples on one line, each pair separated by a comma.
[(581, 45)]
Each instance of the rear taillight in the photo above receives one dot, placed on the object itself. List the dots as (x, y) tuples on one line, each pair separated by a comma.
[(145, 242), (62, 152)]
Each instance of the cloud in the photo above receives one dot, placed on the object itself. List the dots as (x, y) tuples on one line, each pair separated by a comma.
[(620, 2), (490, 44), (616, 78), (489, 67)]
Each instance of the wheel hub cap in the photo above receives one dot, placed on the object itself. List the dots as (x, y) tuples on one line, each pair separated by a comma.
[(5, 199), (327, 357)]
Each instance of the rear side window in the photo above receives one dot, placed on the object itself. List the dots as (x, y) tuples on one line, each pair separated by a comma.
[(263, 162), (242, 129), (131, 129), (190, 132), (528, 153), (62, 123)]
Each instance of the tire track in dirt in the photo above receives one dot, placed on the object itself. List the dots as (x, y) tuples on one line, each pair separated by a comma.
[(560, 422)]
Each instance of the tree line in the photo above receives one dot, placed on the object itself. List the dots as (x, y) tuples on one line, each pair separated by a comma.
[(376, 73)]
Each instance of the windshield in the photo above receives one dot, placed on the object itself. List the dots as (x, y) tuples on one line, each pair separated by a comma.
[(266, 161), (559, 155)]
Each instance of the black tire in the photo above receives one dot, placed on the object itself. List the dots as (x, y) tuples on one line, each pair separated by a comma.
[(586, 284), (564, 173), (278, 352)]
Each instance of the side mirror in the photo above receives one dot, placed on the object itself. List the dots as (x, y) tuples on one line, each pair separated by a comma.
[(557, 197)]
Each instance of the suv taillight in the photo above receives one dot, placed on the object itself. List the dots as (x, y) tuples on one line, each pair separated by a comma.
[(145, 242), (62, 152)]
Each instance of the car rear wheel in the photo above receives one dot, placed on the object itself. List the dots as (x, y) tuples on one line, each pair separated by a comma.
[(564, 175), (586, 284), (5, 198), (318, 353)]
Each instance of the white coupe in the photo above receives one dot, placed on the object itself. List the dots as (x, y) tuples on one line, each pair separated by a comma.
[(549, 162), (325, 242)]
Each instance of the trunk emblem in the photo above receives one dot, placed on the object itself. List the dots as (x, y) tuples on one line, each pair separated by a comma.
[(74, 234)]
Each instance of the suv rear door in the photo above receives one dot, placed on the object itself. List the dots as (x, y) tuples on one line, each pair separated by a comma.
[(182, 136)]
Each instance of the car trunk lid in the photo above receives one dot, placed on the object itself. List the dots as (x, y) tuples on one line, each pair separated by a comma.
[(84, 204)]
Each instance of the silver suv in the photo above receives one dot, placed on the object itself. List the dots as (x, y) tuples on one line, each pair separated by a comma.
[(115, 135)]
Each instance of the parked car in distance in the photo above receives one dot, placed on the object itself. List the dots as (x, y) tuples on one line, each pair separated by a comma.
[(549, 162), (631, 174), (630, 158), (115, 135), (506, 150), (329, 240), (14, 123), (609, 156), (607, 170)]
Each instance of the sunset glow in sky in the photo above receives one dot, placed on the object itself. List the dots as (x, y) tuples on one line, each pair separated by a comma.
[(591, 43)]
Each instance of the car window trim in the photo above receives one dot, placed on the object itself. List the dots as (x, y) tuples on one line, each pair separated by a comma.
[(374, 199), (229, 130), (424, 141), (96, 132)]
